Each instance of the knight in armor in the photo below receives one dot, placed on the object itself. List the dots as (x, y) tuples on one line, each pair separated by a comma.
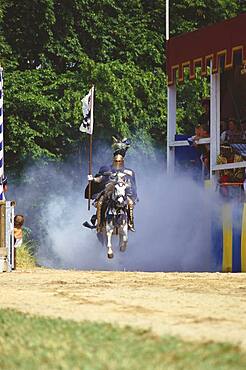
[(102, 184)]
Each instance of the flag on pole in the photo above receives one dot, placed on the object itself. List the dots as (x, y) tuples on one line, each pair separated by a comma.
[(1, 136), (87, 127), (87, 108)]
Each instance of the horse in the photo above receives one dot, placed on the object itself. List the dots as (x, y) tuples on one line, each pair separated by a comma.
[(116, 214)]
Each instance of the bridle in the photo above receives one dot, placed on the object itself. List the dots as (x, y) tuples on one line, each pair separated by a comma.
[(119, 196)]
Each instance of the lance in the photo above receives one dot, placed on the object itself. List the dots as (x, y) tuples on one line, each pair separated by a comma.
[(90, 170), (90, 143)]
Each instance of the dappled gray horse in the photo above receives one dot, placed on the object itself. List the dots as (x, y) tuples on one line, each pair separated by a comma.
[(116, 214)]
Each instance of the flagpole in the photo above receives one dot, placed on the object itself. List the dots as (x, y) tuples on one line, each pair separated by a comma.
[(167, 19), (1, 135), (90, 145)]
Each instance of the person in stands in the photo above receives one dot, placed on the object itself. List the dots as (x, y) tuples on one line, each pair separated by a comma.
[(223, 125), (201, 132), (243, 129), (205, 150), (233, 133), (205, 117), (193, 140)]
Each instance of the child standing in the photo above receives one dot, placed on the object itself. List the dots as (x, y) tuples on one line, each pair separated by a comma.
[(18, 234)]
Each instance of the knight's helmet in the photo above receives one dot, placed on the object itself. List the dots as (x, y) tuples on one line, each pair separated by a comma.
[(120, 148)]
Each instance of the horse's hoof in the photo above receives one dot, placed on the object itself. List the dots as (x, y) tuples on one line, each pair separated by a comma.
[(123, 248), (110, 255)]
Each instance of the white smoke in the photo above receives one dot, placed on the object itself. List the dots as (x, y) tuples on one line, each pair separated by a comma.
[(172, 220)]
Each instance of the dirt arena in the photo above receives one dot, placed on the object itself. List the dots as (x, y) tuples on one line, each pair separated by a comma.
[(204, 307)]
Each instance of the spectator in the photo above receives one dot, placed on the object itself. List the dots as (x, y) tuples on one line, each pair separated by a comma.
[(205, 151), (223, 126), (223, 130), (243, 129), (228, 155), (205, 117), (193, 140), (201, 132), (204, 131), (232, 134), (18, 233)]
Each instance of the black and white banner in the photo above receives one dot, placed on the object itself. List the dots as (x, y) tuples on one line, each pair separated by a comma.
[(87, 108)]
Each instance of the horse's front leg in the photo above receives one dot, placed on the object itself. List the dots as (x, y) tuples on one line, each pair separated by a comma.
[(123, 237), (109, 232)]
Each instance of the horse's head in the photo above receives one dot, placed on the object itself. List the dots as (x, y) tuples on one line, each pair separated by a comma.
[(119, 195)]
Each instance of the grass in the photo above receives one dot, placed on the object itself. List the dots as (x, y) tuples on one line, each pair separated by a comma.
[(31, 343), (24, 256)]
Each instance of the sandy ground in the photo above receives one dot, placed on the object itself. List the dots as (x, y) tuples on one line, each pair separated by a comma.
[(204, 307)]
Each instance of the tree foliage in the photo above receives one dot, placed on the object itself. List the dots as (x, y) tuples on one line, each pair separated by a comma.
[(52, 51)]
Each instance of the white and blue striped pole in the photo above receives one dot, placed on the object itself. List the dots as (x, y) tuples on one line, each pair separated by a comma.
[(1, 135)]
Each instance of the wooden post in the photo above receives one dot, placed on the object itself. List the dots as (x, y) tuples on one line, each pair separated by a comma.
[(171, 128), (2, 224), (3, 249), (214, 120)]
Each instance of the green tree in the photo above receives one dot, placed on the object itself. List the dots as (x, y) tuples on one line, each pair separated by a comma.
[(52, 51)]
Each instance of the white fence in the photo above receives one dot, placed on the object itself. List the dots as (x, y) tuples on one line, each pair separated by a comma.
[(7, 252)]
